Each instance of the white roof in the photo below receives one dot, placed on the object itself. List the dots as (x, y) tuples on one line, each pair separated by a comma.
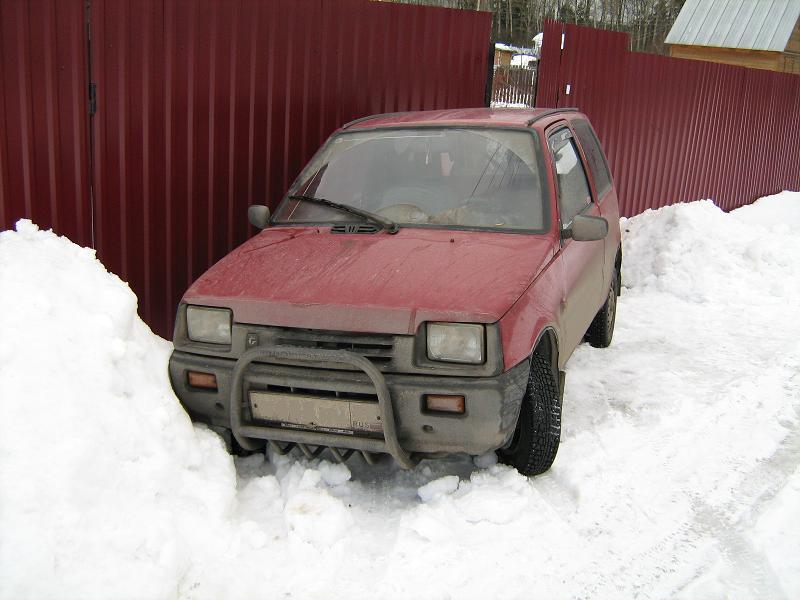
[(514, 49), (523, 60), (744, 24)]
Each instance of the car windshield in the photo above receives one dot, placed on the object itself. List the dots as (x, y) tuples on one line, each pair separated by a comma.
[(438, 177)]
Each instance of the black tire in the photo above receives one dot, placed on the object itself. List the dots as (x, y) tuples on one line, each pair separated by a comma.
[(535, 443), (601, 329)]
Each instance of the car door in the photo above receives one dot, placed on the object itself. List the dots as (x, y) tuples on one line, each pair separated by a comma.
[(603, 190), (582, 261)]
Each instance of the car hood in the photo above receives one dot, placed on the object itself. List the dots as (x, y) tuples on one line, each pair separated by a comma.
[(382, 283)]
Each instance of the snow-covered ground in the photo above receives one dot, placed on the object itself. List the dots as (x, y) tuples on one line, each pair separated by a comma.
[(678, 474)]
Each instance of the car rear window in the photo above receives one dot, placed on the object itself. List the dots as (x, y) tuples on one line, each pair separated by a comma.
[(431, 176), (594, 155)]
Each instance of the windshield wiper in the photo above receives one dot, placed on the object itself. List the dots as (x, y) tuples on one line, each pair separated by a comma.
[(388, 225)]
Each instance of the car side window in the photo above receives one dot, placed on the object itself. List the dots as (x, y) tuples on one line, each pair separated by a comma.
[(573, 186), (594, 155)]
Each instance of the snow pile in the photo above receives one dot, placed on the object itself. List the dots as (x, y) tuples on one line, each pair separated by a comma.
[(106, 489), (678, 474), (682, 246)]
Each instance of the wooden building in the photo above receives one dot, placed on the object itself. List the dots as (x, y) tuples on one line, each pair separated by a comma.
[(506, 55), (762, 34)]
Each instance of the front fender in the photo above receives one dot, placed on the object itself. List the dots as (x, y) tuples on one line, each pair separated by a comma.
[(539, 308)]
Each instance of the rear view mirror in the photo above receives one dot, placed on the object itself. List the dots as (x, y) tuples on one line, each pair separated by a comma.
[(258, 215), (586, 229)]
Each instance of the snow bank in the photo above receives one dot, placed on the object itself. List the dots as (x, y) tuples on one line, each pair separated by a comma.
[(106, 489), (701, 252), (677, 475)]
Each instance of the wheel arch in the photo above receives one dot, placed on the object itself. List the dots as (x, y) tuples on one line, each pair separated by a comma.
[(547, 345), (533, 446)]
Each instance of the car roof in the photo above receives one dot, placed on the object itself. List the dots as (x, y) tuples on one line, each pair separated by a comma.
[(491, 117)]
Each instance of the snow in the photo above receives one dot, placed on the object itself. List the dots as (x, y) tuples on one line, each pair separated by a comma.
[(515, 49), (510, 105), (523, 60), (678, 474), (106, 489), (537, 40)]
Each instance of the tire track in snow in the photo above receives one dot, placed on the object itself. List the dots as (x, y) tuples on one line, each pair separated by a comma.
[(719, 529)]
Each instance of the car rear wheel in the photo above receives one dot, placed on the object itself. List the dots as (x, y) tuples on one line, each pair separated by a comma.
[(535, 443), (601, 330)]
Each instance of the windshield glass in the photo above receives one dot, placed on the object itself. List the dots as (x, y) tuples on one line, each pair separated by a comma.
[(427, 176)]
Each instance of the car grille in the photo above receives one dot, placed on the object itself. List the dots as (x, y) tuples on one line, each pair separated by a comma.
[(377, 348)]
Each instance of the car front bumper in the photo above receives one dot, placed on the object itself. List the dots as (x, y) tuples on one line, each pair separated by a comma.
[(491, 403)]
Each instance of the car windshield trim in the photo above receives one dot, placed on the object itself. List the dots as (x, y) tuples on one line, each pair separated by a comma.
[(431, 226), (387, 224)]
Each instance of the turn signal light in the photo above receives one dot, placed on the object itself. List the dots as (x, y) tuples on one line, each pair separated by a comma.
[(202, 380), (442, 403)]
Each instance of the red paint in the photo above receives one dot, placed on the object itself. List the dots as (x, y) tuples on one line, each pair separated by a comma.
[(481, 117), (538, 308), (676, 130), (383, 283)]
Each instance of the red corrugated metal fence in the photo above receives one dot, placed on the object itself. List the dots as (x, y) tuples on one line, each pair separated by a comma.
[(44, 152), (203, 107), (676, 130)]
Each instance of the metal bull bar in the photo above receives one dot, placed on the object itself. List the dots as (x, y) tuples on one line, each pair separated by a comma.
[(250, 437)]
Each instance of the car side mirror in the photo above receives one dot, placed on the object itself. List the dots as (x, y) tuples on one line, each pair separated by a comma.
[(258, 215), (586, 229)]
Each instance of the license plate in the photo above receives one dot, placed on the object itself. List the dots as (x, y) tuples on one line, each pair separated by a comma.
[(300, 411)]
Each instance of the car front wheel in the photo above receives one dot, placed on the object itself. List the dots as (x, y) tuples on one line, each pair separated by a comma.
[(535, 443)]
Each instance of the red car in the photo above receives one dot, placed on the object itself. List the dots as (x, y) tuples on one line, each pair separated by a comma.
[(417, 292)]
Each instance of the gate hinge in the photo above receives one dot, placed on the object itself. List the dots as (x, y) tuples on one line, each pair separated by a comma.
[(92, 98)]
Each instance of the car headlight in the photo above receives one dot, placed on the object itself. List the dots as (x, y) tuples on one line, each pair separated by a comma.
[(212, 325), (456, 342)]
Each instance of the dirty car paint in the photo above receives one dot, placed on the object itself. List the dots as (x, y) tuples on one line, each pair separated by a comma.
[(311, 278)]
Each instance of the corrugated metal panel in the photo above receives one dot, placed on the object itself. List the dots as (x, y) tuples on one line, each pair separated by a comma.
[(676, 130), (549, 63), (44, 159), (205, 107), (744, 24)]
